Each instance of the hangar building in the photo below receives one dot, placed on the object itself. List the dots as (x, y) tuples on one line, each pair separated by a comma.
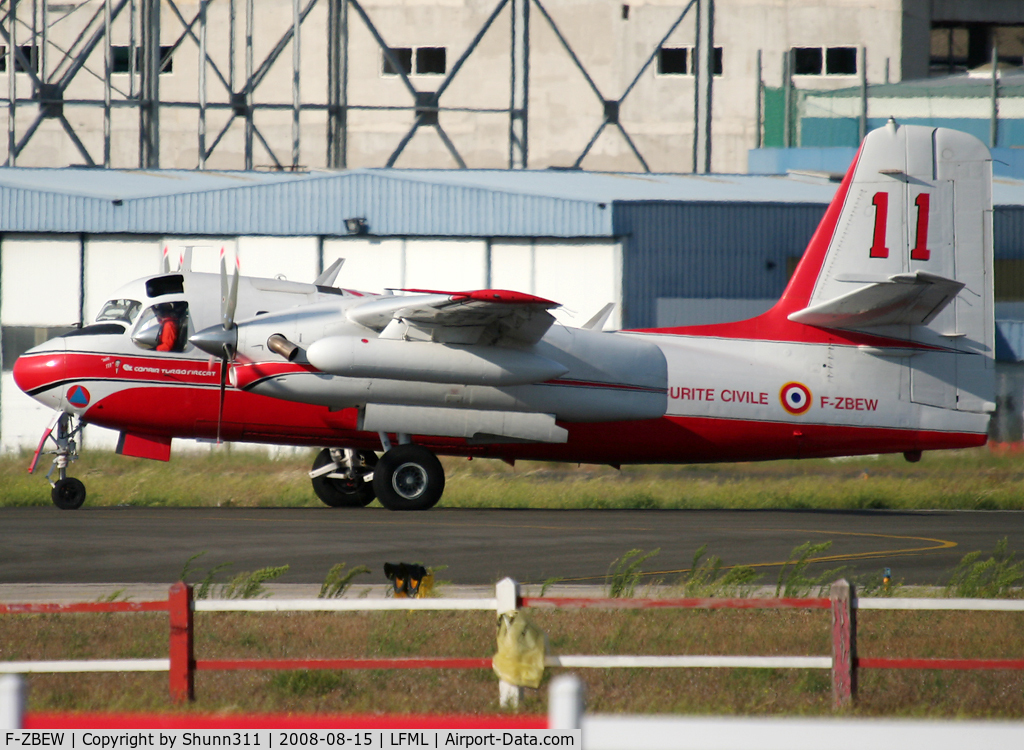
[(667, 249)]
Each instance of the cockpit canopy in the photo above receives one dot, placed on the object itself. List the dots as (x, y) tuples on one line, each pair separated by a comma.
[(119, 311)]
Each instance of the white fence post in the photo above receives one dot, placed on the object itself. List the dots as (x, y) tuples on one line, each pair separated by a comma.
[(12, 701), (565, 702), (507, 595)]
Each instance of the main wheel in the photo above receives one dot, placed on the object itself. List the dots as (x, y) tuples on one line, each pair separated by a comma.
[(349, 492), (408, 477), (68, 493)]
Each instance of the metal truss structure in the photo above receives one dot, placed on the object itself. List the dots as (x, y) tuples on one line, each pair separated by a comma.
[(26, 31)]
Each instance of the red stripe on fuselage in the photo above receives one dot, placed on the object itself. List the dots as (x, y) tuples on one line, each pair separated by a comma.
[(190, 412)]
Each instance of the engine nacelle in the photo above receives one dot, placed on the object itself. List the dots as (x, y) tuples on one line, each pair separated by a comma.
[(428, 362)]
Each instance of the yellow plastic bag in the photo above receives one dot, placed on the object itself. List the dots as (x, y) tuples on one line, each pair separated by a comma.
[(521, 649)]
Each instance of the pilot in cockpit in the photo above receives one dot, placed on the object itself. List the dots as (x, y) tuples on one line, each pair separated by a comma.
[(170, 327)]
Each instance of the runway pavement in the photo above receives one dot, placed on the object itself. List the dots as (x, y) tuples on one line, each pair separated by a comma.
[(151, 545)]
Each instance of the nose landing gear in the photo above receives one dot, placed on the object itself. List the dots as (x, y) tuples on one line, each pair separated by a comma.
[(67, 492)]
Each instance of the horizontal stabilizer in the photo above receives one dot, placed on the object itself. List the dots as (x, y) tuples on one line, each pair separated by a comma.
[(903, 299), (464, 423)]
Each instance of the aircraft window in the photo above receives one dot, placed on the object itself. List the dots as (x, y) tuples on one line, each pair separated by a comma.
[(122, 310), (163, 327), (161, 285)]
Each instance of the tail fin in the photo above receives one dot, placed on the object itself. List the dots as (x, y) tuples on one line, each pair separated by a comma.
[(905, 251)]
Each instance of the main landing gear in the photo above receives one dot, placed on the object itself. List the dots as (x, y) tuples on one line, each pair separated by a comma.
[(67, 492), (407, 477)]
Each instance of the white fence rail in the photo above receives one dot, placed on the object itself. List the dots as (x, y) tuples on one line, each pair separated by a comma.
[(605, 732)]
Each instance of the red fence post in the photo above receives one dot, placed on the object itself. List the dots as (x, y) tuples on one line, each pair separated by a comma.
[(179, 602), (844, 644)]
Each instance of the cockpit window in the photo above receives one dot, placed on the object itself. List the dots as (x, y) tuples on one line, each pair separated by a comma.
[(120, 310), (163, 327)]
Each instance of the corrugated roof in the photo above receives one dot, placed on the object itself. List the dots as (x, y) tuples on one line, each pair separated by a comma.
[(394, 202)]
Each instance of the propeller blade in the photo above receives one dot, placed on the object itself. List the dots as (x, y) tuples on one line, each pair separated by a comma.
[(223, 390), (165, 264), (228, 293)]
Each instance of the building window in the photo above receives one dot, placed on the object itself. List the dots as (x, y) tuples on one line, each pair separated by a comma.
[(123, 61), (403, 58), (672, 61), (425, 61), (31, 53), (831, 61), (957, 48), (681, 61), (841, 61), (430, 61)]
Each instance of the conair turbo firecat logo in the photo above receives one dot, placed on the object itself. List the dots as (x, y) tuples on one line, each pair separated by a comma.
[(795, 398), (78, 396)]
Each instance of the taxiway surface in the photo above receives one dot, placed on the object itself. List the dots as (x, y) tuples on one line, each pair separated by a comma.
[(151, 545)]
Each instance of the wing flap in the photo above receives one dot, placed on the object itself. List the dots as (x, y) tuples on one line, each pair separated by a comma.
[(903, 299), (485, 316)]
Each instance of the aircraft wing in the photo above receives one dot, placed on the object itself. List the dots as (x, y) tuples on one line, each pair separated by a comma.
[(484, 316), (906, 298)]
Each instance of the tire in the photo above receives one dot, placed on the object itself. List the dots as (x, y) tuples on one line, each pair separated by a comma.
[(344, 493), (408, 477), (68, 494)]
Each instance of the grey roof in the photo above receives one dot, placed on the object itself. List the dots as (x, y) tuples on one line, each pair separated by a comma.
[(394, 202)]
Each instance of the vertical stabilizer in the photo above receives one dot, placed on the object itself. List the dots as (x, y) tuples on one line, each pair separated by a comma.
[(905, 251)]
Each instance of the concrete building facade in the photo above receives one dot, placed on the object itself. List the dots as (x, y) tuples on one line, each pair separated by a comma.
[(239, 84)]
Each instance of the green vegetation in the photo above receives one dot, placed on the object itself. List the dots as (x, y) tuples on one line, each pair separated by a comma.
[(995, 578), (971, 480), (338, 581), (624, 573), (245, 585)]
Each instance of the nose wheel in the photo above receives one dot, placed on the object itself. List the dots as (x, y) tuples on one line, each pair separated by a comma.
[(68, 493), (408, 477)]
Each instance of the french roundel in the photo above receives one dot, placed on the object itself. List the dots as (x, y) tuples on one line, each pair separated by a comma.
[(78, 396), (795, 397)]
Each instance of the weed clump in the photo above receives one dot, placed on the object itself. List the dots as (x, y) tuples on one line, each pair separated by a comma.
[(624, 573), (994, 578), (706, 578), (794, 583)]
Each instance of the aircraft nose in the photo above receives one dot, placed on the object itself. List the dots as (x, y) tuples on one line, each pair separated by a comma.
[(42, 369)]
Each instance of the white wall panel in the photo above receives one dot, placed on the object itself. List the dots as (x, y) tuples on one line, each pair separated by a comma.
[(582, 276), (40, 281), (371, 265), (295, 258), (446, 265), (512, 265), (22, 419), (111, 263)]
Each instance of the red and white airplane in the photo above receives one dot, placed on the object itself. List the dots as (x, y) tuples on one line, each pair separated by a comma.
[(881, 343)]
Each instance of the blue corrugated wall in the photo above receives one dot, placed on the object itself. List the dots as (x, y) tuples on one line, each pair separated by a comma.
[(725, 250)]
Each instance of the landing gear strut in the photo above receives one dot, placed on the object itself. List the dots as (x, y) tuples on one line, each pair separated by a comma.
[(341, 477), (68, 493)]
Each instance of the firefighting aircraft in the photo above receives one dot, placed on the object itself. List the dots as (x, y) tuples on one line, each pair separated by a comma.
[(881, 343)]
